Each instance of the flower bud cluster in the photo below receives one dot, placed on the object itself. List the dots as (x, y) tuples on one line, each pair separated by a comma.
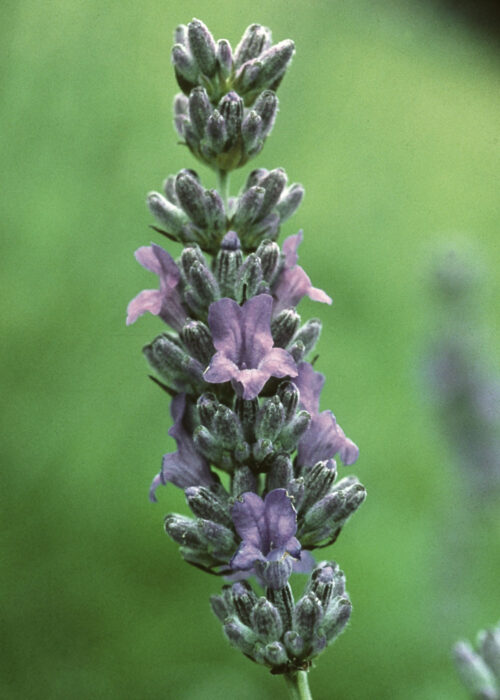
[(254, 454), (275, 631), (480, 669), (189, 213)]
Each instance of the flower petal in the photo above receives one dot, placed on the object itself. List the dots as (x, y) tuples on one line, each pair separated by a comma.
[(281, 518), (305, 564), (249, 382), (147, 300), (290, 246), (256, 329), (324, 439), (246, 556), (310, 384), (250, 521), (279, 363), (224, 320), (221, 369)]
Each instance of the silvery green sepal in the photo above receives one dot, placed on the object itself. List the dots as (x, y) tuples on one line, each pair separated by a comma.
[(198, 341), (208, 505), (180, 371)]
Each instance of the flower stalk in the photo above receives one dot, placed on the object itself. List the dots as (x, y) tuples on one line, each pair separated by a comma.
[(234, 355)]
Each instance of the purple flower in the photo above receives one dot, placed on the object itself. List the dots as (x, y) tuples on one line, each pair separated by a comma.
[(324, 438), (245, 353), (292, 282), (186, 467), (267, 528), (165, 302)]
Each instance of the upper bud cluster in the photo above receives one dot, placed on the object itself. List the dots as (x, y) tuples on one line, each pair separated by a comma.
[(228, 105)]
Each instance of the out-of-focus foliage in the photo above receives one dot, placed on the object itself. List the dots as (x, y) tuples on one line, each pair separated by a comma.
[(390, 120)]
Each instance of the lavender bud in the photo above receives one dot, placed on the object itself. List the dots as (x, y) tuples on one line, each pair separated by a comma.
[(184, 531), (269, 254), (336, 618), (275, 653), (204, 285), (262, 449), (294, 430), (207, 445), (248, 207), (198, 341), (222, 605), (280, 473), (290, 201), (254, 41), (294, 643), (282, 599), (207, 406), (251, 132), (205, 504), (186, 70), (274, 183), (289, 396), (190, 195), (172, 363), (169, 189), (200, 110), (227, 263), (249, 278), (214, 211), (275, 61), (243, 480), (181, 35), (244, 600), (296, 491), (255, 177), (246, 77), (189, 257), (231, 109), (224, 58), (181, 107), (270, 419), (240, 636), (317, 482), (284, 326), (203, 47), (308, 614), (216, 132), (309, 334), (266, 107), (325, 582), (227, 427), (166, 213), (330, 507), (217, 536), (247, 410), (266, 621)]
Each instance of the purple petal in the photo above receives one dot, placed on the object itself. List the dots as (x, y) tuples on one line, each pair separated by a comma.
[(184, 472), (157, 481), (221, 369), (290, 246), (305, 564), (224, 320), (250, 521), (292, 285), (256, 329), (157, 260), (246, 556), (281, 519), (147, 300), (177, 408), (324, 439), (310, 384), (249, 382), (278, 363), (349, 452), (317, 294)]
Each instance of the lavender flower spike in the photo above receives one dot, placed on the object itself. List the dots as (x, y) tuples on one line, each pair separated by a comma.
[(245, 353), (293, 283), (164, 302), (267, 529), (324, 438), (186, 467)]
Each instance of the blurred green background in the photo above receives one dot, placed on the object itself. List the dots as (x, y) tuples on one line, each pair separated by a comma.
[(389, 117)]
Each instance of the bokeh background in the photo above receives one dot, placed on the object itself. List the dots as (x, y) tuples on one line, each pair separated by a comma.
[(389, 117)]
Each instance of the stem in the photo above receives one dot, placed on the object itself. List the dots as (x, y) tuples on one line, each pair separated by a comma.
[(223, 186), (298, 686)]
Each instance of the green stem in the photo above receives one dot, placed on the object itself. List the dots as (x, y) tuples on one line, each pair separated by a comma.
[(223, 186), (298, 686)]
